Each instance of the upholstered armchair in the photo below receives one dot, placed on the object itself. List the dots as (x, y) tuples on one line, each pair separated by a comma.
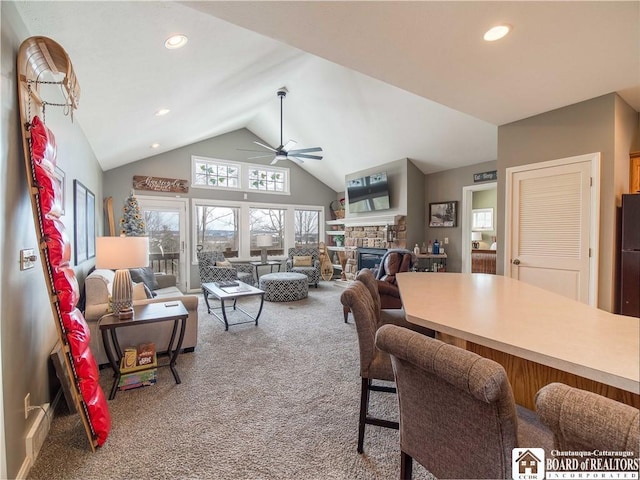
[(209, 266), (393, 262), (305, 261)]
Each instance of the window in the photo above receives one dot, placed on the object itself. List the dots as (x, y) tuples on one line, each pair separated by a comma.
[(307, 226), (270, 221), (232, 226), (267, 179), (482, 219), (215, 173), (222, 174), (217, 229)]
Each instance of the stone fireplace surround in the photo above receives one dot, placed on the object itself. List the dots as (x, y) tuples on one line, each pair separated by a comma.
[(371, 233)]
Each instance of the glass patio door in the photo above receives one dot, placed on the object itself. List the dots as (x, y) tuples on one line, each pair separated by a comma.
[(165, 224)]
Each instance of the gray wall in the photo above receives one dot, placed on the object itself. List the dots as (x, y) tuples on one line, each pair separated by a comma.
[(27, 331), (604, 124), (445, 187), (305, 189), (406, 185)]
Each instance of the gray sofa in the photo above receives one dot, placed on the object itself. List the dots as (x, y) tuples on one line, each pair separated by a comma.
[(97, 290)]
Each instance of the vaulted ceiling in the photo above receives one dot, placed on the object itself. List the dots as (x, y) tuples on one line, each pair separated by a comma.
[(369, 82)]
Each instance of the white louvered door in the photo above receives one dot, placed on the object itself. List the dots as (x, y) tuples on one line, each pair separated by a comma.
[(550, 227)]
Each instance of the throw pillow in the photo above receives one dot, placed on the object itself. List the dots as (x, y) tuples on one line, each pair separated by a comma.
[(144, 275), (139, 291), (302, 260), (224, 264)]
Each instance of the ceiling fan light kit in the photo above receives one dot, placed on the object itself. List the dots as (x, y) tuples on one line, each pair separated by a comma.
[(284, 152)]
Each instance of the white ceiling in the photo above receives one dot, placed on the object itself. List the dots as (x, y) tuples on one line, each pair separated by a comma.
[(382, 80)]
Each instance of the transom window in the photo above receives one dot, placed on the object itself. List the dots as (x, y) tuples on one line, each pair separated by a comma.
[(215, 173), (268, 179), (223, 174)]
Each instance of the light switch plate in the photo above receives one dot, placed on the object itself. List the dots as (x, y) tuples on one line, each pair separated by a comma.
[(27, 259)]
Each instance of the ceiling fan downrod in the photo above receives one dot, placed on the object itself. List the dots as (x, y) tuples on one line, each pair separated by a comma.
[(281, 93)]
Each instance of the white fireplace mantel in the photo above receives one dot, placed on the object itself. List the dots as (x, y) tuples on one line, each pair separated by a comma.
[(373, 220)]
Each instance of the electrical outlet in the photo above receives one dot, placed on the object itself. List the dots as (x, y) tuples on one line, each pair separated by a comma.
[(446, 240), (27, 404)]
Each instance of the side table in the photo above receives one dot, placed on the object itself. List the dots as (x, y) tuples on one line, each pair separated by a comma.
[(269, 263), (153, 312)]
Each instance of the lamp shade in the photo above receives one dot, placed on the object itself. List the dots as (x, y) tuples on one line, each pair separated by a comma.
[(122, 252), (476, 236), (264, 240)]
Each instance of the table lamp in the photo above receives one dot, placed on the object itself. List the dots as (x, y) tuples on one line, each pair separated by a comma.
[(476, 238), (263, 241), (120, 254)]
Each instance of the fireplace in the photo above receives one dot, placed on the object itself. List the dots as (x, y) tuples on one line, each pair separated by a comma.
[(369, 257)]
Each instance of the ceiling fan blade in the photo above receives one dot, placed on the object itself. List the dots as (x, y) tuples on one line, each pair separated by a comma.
[(265, 146), (274, 161), (306, 150), (299, 161), (304, 155), (288, 145), (249, 150), (260, 156)]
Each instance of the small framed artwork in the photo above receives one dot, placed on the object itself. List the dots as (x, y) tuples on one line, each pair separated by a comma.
[(443, 214), (84, 206), (60, 178)]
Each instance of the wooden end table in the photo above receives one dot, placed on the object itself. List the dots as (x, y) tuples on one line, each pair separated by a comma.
[(173, 310)]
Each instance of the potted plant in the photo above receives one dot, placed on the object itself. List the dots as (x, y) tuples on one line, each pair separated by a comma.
[(338, 240)]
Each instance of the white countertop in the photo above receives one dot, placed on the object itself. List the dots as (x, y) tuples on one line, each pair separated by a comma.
[(526, 321)]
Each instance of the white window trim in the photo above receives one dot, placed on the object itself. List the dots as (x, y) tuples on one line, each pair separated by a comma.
[(244, 237), (244, 169)]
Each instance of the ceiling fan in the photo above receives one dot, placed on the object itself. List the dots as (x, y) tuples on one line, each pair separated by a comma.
[(284, 152)]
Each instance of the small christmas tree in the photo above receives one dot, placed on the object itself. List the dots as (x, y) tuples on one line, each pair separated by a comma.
[(131, 223)]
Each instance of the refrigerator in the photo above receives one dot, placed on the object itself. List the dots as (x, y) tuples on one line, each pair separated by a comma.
[(630, 256)]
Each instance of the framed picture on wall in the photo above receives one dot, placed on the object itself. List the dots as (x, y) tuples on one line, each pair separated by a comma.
[(84, 208), (60, 178), (443, 214)]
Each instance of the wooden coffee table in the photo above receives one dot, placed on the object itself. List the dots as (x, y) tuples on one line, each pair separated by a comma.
[(231, 293)]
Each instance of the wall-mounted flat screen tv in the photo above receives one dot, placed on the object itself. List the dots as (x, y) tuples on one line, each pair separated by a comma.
[(369, 193)]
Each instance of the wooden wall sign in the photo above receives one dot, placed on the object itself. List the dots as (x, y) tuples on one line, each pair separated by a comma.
[(485, 176), (160, 184)]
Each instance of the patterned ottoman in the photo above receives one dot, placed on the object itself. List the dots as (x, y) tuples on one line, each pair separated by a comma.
[(284, 286)]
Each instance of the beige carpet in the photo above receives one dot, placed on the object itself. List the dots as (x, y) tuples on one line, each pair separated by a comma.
[(277, 401)]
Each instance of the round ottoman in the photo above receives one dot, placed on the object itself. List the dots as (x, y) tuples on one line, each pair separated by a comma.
[(284, 286)]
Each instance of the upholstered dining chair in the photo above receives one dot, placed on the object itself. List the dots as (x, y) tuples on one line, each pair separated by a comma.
[(582, 420), (393, 316), (210, 269), (306, 261), (374, 364), (458, 417)]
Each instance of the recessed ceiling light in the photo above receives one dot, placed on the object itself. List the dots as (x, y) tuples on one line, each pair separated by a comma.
[(162, 111), (155, 145), (176, 41), (497, 32)]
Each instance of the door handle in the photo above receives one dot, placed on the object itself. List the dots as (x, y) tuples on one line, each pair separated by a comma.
[(516, 261)]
